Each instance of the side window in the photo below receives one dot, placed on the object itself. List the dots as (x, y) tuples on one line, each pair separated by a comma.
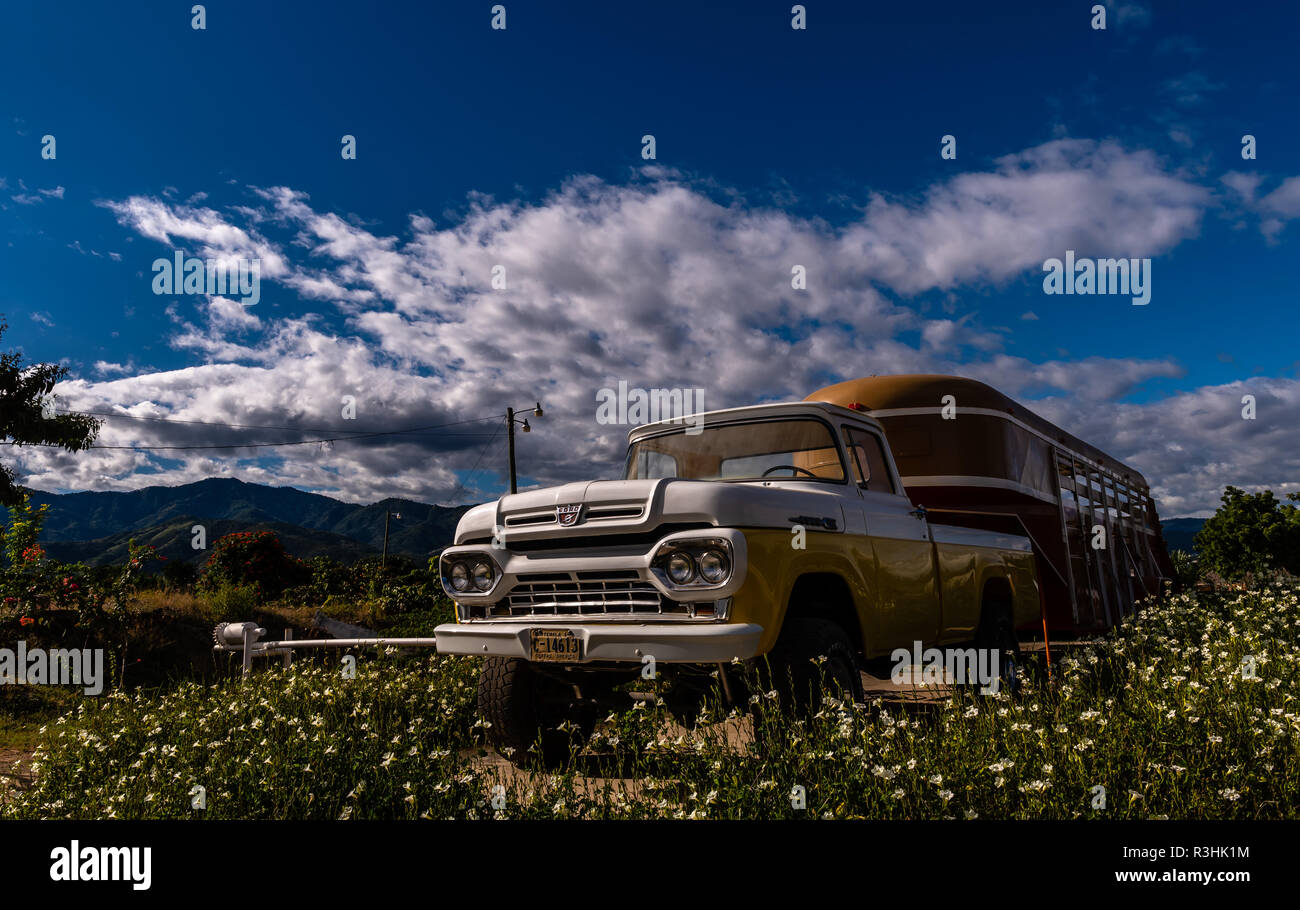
[(869, 461), (857, 456)]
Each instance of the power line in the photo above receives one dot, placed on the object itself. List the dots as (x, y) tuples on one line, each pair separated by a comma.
[(462, 485), (250, 426), (297, 442)]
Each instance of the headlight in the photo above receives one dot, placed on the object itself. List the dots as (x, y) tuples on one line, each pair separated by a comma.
[(482, 575), (681, 568), (714, 566), (459, 577), (693, 563)]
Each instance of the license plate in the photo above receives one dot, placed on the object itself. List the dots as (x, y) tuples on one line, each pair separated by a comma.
[(555, 645)]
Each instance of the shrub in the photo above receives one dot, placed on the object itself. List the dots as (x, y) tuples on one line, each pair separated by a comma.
[(37, 587), (255, 559), (180, 576), (234, 603), (1186, 570), (1250, 533)]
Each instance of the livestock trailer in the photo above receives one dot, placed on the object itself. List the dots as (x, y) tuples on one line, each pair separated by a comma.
[(974, 457)]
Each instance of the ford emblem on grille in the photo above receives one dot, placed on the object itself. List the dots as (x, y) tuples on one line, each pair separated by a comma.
[(567, 515)]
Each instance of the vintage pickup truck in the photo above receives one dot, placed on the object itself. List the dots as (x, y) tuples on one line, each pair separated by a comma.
[(778, 531)]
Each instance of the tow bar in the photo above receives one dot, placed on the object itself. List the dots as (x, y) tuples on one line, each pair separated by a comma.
[(245, 637)]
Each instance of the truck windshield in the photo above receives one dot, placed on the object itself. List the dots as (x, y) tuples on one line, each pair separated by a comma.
[(800, 449)]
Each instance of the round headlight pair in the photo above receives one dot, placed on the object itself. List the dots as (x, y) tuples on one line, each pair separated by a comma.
[(477, 574), (711, 567)]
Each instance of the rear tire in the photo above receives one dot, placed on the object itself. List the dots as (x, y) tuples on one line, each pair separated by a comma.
[(998, 633), (525, 710)]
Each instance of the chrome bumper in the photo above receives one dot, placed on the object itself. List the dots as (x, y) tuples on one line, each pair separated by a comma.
[(665, 642)]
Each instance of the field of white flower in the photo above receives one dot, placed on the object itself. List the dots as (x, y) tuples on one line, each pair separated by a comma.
[(1191, 711)]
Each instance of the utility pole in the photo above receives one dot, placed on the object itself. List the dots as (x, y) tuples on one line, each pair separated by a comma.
[(510, 439), (383, 561), (510, 445)]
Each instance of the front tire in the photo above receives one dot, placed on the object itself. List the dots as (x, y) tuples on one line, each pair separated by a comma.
[(526, 713), (795, 673)]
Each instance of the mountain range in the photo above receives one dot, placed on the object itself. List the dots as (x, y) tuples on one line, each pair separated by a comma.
[(1179, 533), (94, 527)]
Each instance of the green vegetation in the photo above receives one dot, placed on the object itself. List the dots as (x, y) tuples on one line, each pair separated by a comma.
[(25, 418), (252, 561), (156, 627), (1250, 534), (1189, 711)]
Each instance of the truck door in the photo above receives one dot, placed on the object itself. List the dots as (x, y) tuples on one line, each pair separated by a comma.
[(907, 607)]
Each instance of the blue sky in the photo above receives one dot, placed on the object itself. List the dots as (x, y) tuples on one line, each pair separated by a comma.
[(522, 146)]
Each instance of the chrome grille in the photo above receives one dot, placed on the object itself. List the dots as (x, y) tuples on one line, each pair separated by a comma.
[(561, 595)]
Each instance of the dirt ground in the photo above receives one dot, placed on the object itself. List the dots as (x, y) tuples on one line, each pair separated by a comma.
[(11, 778)]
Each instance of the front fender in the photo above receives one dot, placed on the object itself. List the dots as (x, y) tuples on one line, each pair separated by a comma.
[(775, 566)]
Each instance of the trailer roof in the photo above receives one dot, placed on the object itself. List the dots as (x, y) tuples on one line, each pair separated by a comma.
[(923, 393)]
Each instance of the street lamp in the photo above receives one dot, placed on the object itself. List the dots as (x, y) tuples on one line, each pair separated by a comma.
[(387, 515), (510, 436)]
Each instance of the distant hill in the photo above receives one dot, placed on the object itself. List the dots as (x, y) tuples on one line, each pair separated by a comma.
[(174, 541), (1180, 531), (94, 527)]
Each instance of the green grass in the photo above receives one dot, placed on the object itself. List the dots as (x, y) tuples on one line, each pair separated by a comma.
[(1161, 715), (25, 709)]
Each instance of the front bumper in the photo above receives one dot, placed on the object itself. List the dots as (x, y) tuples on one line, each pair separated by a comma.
[(606, 641)]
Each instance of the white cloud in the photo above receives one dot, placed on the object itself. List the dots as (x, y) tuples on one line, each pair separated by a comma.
[(1275, 208), (1134, 13), (36, 197), (211, 236)]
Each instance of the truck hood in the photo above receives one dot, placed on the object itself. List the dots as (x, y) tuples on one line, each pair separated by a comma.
[(642, 506)]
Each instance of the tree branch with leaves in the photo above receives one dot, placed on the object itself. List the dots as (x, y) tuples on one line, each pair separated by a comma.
[(27, 417)]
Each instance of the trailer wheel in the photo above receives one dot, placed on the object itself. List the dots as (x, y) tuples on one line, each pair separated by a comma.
[(526, 712), (793, 672), (997, 632)]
